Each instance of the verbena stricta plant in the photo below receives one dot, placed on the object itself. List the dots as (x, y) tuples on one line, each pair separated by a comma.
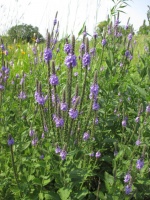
[(75, 117)]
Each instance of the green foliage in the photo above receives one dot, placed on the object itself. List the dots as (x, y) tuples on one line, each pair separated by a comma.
[(144, 29), (33, 170), (24, 32)]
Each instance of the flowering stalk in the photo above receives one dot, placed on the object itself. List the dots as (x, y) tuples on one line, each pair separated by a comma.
[(10, 143), (86, 64)]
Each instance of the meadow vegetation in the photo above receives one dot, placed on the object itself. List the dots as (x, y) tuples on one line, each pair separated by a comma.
[(75, 116)]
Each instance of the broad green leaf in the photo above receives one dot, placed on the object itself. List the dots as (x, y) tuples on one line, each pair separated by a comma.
[(64, 193)]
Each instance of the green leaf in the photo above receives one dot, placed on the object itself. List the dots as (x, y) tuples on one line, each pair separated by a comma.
[(64, 193), (109, 181), (81, 194), (52, 196)]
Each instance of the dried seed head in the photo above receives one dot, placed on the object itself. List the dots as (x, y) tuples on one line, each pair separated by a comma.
[(76, 102), (53, 67), (64, 96), (58, 111), (73, 44), (48, 40), (95, 77), (77, 90), (87, 45)]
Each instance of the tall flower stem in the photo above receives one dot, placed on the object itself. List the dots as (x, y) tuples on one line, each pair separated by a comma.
[(69, 87), (14, 168)]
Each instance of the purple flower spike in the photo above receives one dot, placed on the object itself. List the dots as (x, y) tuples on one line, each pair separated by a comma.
[(139, 164), (148, 109), (124, 123), (128, 189), (2, 87), (86, 136), (82, 47), (63, 106), (47, 54), (22, 95), (137, 119), (59, 122), (63, 154), (73, 113), (91, 154), (86, 59), (104, 42), (138, 142), (70, 60), (34, 141), (54, 80), (10, 140), (127, 178), (31, 133), (98, 154), (94, 91), (67, 48), (130, 36), (95, 106), (57, 150)]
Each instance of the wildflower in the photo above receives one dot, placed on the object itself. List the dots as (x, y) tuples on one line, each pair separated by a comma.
[(1, 87), (67, 48), (43, 135), (82, 47), (92, 51), (59, 122), (138, 142), (63, 154), (130, 36), (31, 133), (117, 22), (73, 113), (95, 35), (128, 189), (63, 106), (70, 60), (54, 80), (98, 154), (95, 106), (139, 164), (22, 95), (39, 98), (115, 153), (76, 74), (10, 140), (74, 100), (86, 60), (37, 40), (91, 154), (55, 21), (137, 119), (34, 141), (104, 42), (127, 53), (148, 109), (42, 156), (47, 54), (94, 91), (6, 52), (86, 136), (45, 128), (96, 120), (127, 178), (58, 149), (124, 123)]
